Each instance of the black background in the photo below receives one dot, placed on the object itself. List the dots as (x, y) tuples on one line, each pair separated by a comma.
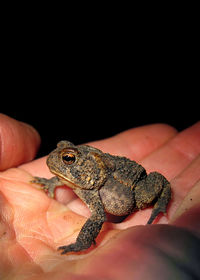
[(87, 84), (81, 117)]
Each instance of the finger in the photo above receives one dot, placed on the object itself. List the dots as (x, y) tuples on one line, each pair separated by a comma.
[(187, 214), (189, 219), (18, 142), (176, 154), (182, 186), (186, 179), (137, 143)]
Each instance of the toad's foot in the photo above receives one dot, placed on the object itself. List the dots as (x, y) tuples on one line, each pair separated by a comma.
[(48, 185), (86, 236), (70, 248), (74, 247)]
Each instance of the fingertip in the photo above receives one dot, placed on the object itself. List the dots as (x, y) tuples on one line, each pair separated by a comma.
[(32, 133), (19, 142)]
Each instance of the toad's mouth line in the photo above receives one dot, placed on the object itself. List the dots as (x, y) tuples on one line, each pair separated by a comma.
[(67, 182)]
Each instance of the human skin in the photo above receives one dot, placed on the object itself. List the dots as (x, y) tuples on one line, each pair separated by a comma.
[(32, 225)]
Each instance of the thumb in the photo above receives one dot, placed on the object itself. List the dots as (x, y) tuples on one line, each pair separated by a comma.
[(19, 142)]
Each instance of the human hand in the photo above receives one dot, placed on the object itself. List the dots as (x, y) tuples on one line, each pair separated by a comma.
[(32, 225)]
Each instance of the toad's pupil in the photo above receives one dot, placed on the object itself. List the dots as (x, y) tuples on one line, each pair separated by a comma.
[(68, 158)]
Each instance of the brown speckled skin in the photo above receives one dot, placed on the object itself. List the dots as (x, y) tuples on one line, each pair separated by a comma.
[(106, 183)]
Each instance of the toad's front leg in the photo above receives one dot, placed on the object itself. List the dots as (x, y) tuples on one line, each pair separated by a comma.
[(48, 185), (93, 225)]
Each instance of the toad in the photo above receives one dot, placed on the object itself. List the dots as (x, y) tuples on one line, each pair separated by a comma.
[(106, 184)]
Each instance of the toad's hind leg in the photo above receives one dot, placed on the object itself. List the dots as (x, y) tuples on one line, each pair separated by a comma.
[(153, 190)]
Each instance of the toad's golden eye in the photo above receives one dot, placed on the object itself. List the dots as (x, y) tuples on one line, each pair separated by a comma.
[(68, 158)]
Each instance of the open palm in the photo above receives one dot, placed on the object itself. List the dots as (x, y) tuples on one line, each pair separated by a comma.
[(32, 225)]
